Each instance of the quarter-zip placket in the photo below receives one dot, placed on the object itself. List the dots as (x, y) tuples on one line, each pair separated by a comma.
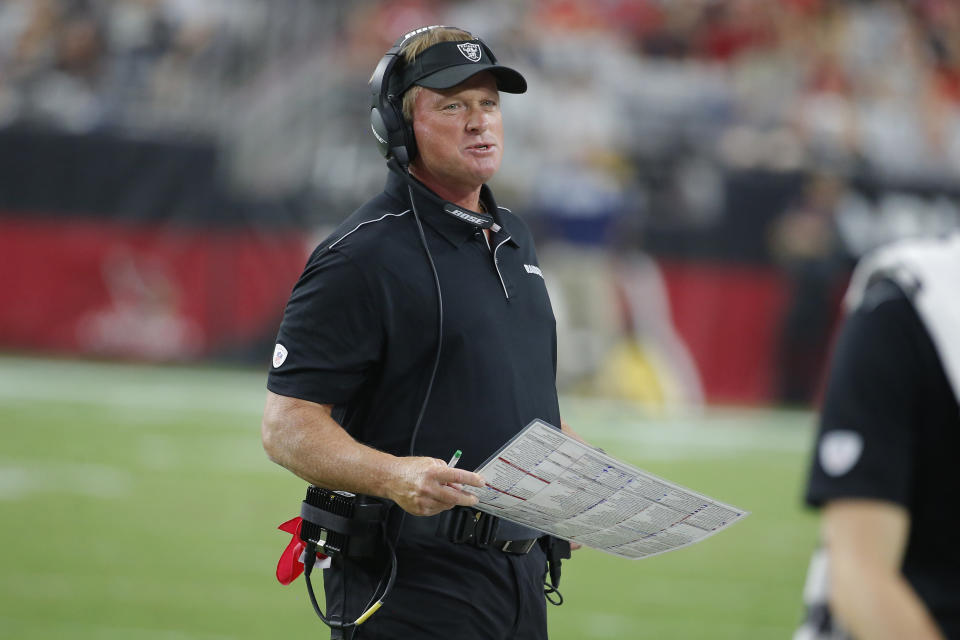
[(496, 265)]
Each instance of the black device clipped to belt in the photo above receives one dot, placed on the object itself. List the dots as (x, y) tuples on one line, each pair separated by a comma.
[(339, 523), (342, 523)]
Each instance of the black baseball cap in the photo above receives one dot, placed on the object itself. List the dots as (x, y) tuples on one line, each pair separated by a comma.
[(447, 64)]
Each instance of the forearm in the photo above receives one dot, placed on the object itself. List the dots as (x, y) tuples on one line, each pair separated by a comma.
[(312, 445), (881, 606), (865, 540), (303, 437)]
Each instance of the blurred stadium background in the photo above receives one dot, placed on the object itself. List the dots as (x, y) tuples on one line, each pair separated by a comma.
[(700, 176)]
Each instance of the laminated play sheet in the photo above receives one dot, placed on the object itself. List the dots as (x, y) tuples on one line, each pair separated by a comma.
[(544, 479)]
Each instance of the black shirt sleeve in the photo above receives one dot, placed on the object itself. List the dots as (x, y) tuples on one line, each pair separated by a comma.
[(866, 442), (331, 334)]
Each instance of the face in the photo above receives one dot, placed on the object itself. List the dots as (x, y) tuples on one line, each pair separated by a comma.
[(459, 134)]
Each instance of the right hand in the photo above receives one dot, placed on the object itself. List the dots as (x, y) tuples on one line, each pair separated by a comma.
[(422, 486)]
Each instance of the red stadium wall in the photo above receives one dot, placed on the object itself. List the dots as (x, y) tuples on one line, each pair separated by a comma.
[(729, 316), (155, 291), (732, 319), (168, 292)]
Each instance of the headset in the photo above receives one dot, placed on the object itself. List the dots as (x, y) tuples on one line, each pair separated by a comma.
[(394, 135)]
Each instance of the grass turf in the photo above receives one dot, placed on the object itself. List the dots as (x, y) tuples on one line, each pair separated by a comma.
[(136, 503)]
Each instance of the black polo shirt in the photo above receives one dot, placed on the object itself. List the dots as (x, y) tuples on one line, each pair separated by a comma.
[(890, 430), (360, 330)]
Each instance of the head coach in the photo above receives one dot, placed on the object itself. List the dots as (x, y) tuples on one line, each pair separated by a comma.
[(419, 327)]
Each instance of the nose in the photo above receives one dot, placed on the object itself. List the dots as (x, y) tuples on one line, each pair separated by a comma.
[(478, 121)]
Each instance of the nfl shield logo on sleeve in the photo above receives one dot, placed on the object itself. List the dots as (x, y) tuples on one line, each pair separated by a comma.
[(839, 451), (279, 355), (470, 50)]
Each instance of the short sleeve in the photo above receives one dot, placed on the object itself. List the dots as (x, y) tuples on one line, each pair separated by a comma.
[(330, 337), (866, 440)]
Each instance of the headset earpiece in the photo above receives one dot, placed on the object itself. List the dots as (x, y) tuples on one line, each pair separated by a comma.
[(394, 137), (394, 134)]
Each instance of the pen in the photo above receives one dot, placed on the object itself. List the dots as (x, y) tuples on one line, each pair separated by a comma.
[(455, 459)]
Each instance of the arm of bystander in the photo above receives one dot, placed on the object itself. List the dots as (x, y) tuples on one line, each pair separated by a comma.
[(865, 540)]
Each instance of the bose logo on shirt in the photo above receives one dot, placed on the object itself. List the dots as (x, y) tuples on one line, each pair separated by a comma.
[(533, 269), (463, 215)]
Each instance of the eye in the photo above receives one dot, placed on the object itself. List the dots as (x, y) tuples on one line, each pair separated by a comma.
[(451, 106)]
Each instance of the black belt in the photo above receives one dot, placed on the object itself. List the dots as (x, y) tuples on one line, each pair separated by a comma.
[(462, 525)]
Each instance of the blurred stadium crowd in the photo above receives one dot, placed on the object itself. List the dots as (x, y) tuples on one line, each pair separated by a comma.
[(848, 85), (788, 133)]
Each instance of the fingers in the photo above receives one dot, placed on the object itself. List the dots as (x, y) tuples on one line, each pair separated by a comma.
[(445, 498), (445, 487), (448, 475), (455, 497)]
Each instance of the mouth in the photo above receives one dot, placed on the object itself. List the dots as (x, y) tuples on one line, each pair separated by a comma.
[(480, 146)]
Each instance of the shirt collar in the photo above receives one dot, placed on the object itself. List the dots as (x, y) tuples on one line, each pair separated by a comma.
[(454, 231)]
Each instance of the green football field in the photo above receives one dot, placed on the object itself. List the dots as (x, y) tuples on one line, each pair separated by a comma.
[(136, 502)]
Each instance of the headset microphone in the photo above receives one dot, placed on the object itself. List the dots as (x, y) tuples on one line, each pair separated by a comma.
[(475, 218), (471, 217)]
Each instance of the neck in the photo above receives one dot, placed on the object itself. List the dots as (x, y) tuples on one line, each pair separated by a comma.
[(466, 197)]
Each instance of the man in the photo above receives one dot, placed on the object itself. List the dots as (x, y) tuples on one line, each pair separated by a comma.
[(884, 466), (369, 394)]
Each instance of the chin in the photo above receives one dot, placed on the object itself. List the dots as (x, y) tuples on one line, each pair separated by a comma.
[(486, 172), (482, 178)]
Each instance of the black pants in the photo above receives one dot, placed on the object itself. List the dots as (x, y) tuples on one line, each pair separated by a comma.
[(444, 591)]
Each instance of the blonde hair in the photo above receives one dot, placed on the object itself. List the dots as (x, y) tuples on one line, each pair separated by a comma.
[(417, 45)]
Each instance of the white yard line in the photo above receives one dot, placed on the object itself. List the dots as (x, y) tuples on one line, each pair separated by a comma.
[(20, 479), (132, 386), (79, 629), (708, 433)]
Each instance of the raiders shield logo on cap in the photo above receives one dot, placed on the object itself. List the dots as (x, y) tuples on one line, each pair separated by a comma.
[(470, 50)]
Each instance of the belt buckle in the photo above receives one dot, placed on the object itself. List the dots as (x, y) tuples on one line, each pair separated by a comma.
[(519, 547)]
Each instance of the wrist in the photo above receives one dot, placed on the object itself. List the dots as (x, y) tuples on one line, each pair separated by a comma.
[(389, 480)]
